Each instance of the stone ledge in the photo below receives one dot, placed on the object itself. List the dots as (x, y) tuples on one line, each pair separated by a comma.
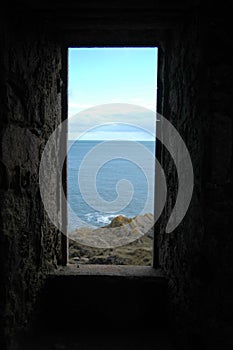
[(108, 270)]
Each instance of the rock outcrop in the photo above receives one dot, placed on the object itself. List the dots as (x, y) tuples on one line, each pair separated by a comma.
[(119, 220), (106, 242), (119, 232)]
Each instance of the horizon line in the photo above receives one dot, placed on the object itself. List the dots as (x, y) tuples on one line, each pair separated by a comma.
[(152, 140)]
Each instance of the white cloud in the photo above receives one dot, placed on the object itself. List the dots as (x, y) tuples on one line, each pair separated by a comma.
[(89, 121), (111, 136)]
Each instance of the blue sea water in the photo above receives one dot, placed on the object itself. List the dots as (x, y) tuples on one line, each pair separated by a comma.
[(135, 167)]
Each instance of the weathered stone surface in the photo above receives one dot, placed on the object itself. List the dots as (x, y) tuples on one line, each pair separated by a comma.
[(195, 256), (4, 176), (31, 110)]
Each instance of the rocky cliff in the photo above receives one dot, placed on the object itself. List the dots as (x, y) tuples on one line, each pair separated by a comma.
[(125, 241)]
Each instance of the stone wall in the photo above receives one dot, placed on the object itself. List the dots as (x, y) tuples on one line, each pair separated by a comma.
[(217, 247), (30, 82), (196, 97), (196, 256)]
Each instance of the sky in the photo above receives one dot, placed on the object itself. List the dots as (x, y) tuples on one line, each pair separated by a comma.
[(105, 86)]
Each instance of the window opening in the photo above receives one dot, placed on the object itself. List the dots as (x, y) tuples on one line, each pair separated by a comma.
[(111, 155)]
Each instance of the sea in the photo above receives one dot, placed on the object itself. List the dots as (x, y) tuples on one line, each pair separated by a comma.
[(96, 192)]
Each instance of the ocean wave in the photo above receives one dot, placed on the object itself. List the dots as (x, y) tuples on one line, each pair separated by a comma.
[(100, 218)]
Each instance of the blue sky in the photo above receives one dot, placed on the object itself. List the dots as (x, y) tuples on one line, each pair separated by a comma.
[(99, 76)]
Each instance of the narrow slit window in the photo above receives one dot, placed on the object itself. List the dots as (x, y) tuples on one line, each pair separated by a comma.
[(111, 155)]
